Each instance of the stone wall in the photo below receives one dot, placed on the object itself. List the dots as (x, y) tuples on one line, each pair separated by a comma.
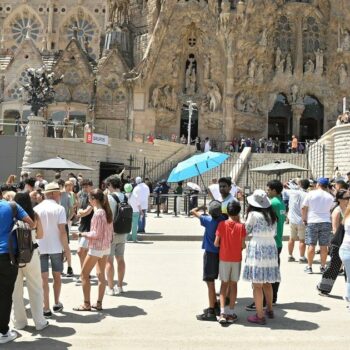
[(331, 152)]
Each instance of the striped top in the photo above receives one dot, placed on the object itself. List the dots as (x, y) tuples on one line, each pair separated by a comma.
[(100, 236)]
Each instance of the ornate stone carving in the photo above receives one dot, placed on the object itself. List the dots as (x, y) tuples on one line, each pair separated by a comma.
[(309, 67), (260, 73), (294, 93), (289, 65), (164, 118), (319, 61), (252, 69), (214, 97), (191, 76), (263, 38), (345, 45), (342, 74), (164, 98)]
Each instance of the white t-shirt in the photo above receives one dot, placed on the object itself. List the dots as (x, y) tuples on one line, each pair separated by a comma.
[(51, 215), (134, 202), (320, 204), (42, 182), (141, 192), (346, 241), (214, 190), (296, 199), (207, 146)]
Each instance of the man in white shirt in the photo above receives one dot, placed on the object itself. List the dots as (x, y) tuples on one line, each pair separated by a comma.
[(53, 244), (316, 214), (40, 181), (114, 185), (141, 192), (297, 228)]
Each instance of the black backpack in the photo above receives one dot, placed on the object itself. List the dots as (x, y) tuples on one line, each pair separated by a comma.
[(25, 246), (122, 221)]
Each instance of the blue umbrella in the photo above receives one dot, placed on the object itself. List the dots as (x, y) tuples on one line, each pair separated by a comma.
[(197, 165)]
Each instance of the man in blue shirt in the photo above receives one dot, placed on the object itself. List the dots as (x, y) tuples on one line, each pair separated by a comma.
[(211, 255), (8, 272)]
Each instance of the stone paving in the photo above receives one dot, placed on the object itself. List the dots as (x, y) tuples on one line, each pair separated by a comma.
[(164, 292)]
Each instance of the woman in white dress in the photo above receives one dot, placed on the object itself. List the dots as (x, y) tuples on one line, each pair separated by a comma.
[(261, 266)]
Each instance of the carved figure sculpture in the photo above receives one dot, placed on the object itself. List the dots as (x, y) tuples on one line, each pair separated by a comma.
[(252, 68), (278, 57), (289, 66), (294, 90), (251, 105), (263, 39), (260, 73), (155, 97), (214, 97), (319, 61), (346, 41), (175, 66), (342, 73), (309, 66), (191, 78), (280, 67), (240, 102)]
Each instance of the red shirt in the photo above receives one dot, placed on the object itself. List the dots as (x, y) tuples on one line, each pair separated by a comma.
[(231, 235)]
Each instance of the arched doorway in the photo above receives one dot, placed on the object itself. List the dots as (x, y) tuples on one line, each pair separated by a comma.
[(184, 122), (280, 119), (311, 122)]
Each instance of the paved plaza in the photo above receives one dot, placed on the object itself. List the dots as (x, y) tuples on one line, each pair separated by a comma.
[(164, 292)]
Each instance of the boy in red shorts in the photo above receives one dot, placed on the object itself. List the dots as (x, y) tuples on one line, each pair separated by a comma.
[(230, 237)]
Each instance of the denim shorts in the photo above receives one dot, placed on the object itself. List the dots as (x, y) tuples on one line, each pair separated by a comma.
[(319, 232), (56, 262)]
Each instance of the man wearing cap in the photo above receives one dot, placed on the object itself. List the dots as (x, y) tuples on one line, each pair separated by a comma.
[(8, 272), (53, 244), (316, 214), (141, 192)]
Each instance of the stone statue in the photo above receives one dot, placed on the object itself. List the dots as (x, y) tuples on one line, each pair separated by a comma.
[(278, 57), (167, 97), (342, 73), (175, 67), (319, 61), (193, 81), (346, 41), (309, 66), (252, 68), (260, 73), (263, 38), (214, 97), (155, 97), (251, 105), (206, 67), (191, 78), (280, 67), (112, 10), (240, 102), (289, 66), (295, 91)]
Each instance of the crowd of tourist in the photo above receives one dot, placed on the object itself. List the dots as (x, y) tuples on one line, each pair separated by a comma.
[(314, 211)]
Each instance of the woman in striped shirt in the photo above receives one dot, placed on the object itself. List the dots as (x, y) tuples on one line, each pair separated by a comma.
[(100, 237)]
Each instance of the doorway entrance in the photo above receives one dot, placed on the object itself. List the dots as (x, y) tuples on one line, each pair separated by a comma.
[(184, 123), (311, 122)]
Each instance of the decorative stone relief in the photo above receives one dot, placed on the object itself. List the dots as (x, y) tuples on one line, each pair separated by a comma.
[(342, 74), (309, 67), (214, 97), (164, 98)]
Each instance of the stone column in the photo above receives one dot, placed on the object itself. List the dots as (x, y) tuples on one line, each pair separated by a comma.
[(299, 56), (298, 110), (49, 25), (34, 140)]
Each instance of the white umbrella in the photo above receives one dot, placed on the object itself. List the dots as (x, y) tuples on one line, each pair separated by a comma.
[(193, 186), (57, 163)]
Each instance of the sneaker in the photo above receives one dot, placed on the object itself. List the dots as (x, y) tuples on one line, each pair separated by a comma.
[(69, 272), (291, 259), (322, 269), (7, 337), (231, 318), (209, 315), (302, 260), (118, 290), (308, 270), (222, 319), (252, 307), (110, 291), (58, 307), (40, 328), (78, 282), (269, 314), (47, 314), (257, 320)]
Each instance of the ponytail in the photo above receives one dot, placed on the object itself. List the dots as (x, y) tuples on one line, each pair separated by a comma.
[(106, 207)]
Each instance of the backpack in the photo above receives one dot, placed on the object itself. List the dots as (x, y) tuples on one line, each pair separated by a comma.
[(25, 246), (122, 221)]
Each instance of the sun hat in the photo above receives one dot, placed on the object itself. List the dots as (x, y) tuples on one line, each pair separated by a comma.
[(138, 180), (215, 208), (52, 187), (323, 181), (128, 188), (259, 199)]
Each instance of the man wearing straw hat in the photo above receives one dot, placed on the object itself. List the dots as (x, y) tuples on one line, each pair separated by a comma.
[(53, 244)]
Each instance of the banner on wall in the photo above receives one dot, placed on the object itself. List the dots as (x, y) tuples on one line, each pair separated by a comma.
[(97, 139)]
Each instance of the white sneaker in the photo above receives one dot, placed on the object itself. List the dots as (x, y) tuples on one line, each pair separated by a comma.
[(9, 336), (118, 290), (78, 282), (40, 328), (110, 291)]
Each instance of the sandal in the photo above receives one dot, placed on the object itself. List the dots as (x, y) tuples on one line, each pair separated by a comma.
[(85, 307), (97, 306)]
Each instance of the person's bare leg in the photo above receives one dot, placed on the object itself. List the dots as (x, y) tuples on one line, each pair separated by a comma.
[(267, 288), (323, 254), (100, 272), (68, 256), (46, 290), (302, 247), (121, 270), (233, 294), (57, 286), (310, 254), (82, 252), (223, 290), (211, 294), (89, 263), (290, 246), (110, 272), (258, 299)]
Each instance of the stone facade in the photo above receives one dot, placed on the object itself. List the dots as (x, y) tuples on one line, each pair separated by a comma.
[(253, 68)]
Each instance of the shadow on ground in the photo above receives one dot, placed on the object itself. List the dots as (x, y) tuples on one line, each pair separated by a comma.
[(142, 294), (125, 311), (39, 343)]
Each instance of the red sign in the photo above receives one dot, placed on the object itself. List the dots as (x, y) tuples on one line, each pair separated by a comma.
[(88, 137)]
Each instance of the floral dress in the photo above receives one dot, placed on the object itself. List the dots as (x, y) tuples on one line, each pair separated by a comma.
[(261, 265)]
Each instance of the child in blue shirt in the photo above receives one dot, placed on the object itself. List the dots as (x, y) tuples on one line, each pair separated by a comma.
[(211, 255)]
